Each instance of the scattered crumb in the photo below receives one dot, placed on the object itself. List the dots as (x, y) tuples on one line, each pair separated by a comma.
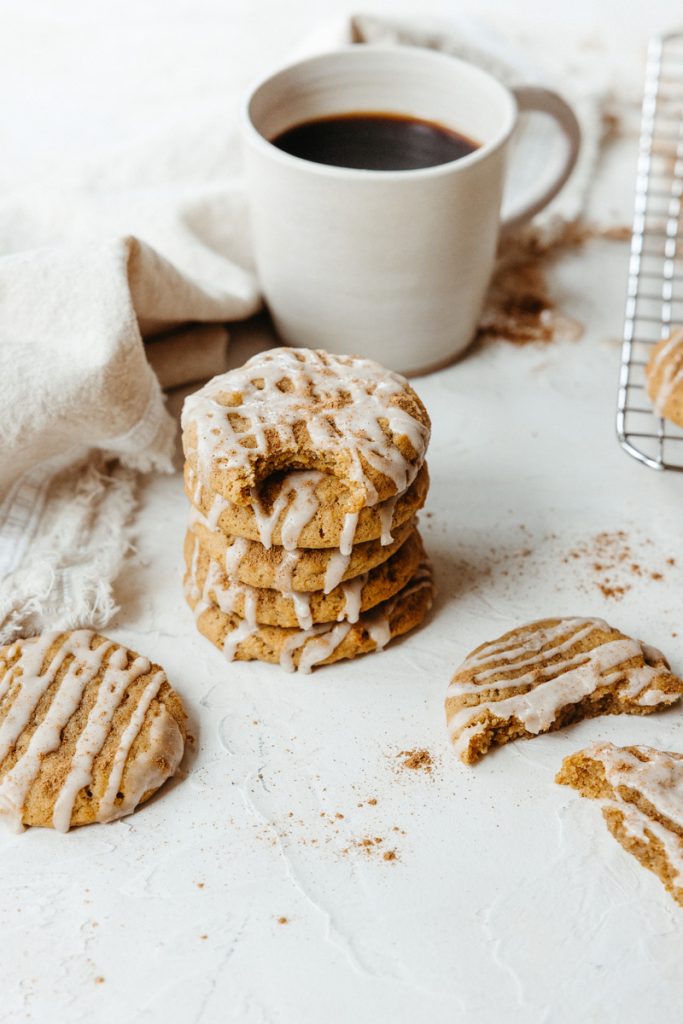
[(99, 980), (389, 855), (372, 801), (200, 885), (203, 937), (283, 920), (417, 760), (339, 817)]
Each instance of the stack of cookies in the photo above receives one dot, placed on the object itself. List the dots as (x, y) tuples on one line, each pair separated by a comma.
[(305, 472)]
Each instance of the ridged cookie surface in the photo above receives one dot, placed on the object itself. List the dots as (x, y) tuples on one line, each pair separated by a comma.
[(322, 644), (305, 509), (547, 674), (640, 790), (88, 730), (290, 408), (303, 569), (302, 610)]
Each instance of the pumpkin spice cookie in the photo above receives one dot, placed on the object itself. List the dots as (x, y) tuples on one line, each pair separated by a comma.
[(302, 569), (305, 509), (88, 730), (271, 607), (290, 408), (547, 674), (664, 375), (322, 644), (641, 793)]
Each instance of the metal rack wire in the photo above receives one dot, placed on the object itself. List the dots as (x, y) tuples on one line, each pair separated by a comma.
[(654, 304)]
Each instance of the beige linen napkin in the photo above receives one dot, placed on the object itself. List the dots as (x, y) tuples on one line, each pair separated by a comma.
[(97, 261)]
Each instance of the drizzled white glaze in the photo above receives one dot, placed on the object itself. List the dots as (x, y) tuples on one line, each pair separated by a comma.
[(234, 555), (386, 517), (353, 592), (336, 569), (554, 685), (218, 507), (299, 502), (29, 679), (659, 778), (319, 642), (342, 402), (348, 533), (672, 376)]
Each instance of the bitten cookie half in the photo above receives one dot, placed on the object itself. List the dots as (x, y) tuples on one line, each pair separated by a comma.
[(640, 790), (290, 408), (547, 674), (88, 730), (664, 375)]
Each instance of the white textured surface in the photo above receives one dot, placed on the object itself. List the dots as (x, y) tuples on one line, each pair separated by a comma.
[(509, 900)]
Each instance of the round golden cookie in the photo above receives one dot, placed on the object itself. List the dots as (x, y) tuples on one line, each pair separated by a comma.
[(88, 730), (309, 514), (303, 569), (301, 610), (664, 376), (290, 408), (323, 644), (547, 674)]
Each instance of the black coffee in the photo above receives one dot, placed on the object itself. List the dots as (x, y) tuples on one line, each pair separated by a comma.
[(374, 142)]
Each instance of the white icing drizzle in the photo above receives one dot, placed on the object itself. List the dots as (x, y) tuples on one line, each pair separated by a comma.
[(302, 608), (341, 400), (31, 681), (283, 574), (318, 642), (672, 376), (659, 779), (117, 679), (353, 591), (218, 507), (298, 510), (555, 684), (234, 555), (348, 533), (379, 630), (108, 811), (386, 517), (235, 637), (336, 568)]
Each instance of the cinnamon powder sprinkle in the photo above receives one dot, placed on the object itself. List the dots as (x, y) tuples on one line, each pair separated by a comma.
[(417, 760)]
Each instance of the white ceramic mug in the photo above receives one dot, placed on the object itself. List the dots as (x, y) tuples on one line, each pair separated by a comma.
[(392, 265)]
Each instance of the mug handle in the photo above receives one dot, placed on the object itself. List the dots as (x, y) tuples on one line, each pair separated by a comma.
[(545, 101)]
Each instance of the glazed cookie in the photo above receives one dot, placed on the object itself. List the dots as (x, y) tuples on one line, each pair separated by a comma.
[(302, 610), (664, 375), (290, 408), (641, 793), (321, 644), (548, 674), (303, 509), (303, 569), (88, 730)]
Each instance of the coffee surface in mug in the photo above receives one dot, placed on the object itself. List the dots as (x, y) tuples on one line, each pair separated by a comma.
[(374, 142)]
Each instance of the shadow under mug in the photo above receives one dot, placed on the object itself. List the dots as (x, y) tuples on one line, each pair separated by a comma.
[(392, 265)]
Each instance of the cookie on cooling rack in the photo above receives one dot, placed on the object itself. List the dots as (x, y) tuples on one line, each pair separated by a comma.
[(547, 674), (640, 790), (88, 730), (664, 375)]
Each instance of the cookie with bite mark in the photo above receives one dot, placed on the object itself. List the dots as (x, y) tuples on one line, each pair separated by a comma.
[(640, 792), (548, 674)]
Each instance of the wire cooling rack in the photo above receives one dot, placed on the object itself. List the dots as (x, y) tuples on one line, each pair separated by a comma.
[(654, 304)]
